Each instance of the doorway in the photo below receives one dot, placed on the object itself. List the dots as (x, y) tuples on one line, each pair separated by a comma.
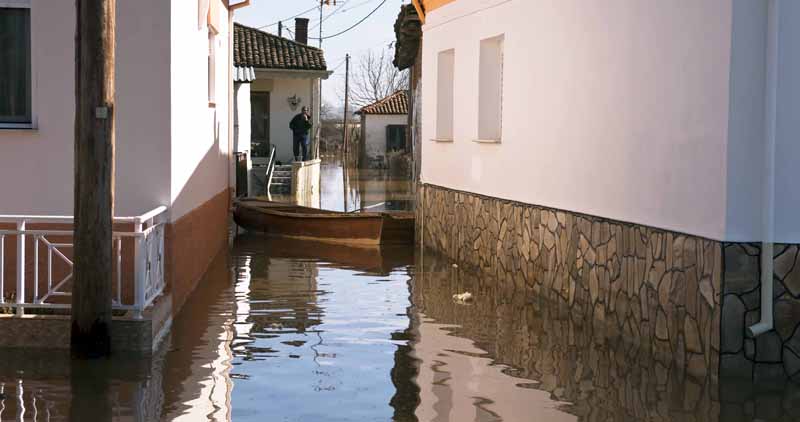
[(259, 124)]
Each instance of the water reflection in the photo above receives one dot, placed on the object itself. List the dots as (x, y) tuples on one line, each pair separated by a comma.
[(347, 188), (301, 331)]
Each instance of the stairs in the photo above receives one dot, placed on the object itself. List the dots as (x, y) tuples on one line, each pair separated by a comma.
[(281, 180)]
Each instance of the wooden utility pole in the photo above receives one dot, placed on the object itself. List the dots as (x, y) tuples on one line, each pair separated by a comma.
[(346, 132), (94, 178)]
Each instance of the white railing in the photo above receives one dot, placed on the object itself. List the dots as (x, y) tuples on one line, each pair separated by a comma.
[(145, 238)]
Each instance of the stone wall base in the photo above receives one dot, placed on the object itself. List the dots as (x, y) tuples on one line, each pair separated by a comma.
[(140, 336), (664, 290)]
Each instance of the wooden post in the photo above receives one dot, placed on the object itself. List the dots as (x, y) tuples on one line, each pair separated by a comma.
[(346, 132), (94, 178)]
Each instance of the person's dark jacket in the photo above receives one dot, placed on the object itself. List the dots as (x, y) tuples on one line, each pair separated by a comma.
[(300, 125)]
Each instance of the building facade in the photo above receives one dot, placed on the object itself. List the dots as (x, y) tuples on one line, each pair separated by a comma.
[(274, 78), (633, 158), (384, 125), (173, 138)]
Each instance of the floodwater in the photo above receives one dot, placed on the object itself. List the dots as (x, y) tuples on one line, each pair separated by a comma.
[(300, 331)]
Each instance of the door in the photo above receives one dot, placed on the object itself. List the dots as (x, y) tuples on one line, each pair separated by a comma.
[(259, 124)]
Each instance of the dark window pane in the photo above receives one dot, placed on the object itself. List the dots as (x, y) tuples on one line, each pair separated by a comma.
[(15, 66)]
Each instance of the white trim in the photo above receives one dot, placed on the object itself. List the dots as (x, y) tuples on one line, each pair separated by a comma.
[(487, 141), (443, 140), (18, 126), (293, 73), (15, 4)]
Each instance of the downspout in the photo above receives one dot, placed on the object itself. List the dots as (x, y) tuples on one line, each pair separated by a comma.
[(768, 211)]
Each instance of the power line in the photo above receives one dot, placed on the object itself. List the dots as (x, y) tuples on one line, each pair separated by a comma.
[(354, 25), (338, 9), (292, 17)]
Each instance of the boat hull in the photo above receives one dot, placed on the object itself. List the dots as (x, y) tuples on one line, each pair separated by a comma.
[(275, 219)]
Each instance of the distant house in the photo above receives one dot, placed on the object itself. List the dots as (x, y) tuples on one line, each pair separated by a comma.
[(172, 157), (274, 78), (384, 124)]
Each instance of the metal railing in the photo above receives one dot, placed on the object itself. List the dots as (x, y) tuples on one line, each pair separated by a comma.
[(143, 244), (270, 169)]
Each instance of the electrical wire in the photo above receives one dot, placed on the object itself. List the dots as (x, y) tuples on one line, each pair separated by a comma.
[(354, 25), (292, 17), (338, 9)]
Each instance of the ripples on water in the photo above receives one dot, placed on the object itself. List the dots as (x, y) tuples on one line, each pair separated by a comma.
[(290, 331)]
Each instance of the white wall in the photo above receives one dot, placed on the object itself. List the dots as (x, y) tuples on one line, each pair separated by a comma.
[(280, 111), (36, 166), (617, 109), (199, 151), (241, 117), (376, 132)]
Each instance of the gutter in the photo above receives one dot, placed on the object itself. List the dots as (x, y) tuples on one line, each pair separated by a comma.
[(295, 73), (768, 205)]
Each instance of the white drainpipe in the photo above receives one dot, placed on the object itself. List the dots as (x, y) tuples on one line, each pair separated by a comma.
[(767, 249)]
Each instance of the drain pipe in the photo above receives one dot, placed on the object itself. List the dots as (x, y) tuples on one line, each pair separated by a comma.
[(767, 248)]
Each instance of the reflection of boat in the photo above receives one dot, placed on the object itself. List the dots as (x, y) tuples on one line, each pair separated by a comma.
[(369, 259), (281, 219)]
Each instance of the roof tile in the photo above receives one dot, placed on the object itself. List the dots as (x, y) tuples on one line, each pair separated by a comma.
[(263, 50), (396, 103)]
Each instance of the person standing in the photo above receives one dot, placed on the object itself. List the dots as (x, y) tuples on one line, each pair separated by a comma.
[(300, 126)]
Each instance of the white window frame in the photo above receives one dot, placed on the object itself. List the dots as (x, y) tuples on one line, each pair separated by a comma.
[(212, 67), (25, 4), (482, 137), (445, 116)]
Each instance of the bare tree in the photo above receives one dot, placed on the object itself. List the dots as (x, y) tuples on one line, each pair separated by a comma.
[(374, 77)]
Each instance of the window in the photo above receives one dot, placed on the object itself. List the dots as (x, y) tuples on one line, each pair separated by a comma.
[(395, 138), (445, 95), (212, 67), (15, 65), (490, 90)]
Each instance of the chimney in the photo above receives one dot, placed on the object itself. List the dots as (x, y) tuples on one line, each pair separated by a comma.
[(301, 30)]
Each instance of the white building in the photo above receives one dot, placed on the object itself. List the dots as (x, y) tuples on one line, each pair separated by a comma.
[(173, 137), (383, 128), (274, 78), (673, 124)]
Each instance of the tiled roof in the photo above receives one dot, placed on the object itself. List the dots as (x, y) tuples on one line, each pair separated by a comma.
[(262, 50), (396, 103)]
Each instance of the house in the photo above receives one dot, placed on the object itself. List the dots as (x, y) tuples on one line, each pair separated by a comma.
[(172, 159), (632, 159), (383, 128), (274, 78)]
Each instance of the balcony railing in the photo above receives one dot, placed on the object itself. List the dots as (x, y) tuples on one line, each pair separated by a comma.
[(42, 262)]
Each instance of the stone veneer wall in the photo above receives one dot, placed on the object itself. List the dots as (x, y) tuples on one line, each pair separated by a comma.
[(661, 289), (773, 356)]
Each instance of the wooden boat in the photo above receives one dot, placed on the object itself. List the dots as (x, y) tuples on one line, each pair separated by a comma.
[(294, 221)]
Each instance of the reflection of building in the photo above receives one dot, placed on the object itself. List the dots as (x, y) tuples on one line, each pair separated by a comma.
[(588, 368), (383, 129), (274, 78), (562, 152)]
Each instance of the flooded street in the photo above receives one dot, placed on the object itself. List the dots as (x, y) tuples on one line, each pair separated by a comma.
[(296, 331)]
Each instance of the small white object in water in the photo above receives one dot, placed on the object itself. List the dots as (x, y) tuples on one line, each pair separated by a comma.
[(463, 297)]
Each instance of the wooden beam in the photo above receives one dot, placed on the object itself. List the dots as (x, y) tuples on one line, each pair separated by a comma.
[(94, 178)]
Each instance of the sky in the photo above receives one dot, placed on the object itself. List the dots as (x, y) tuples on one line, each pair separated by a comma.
[(375, 33)]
